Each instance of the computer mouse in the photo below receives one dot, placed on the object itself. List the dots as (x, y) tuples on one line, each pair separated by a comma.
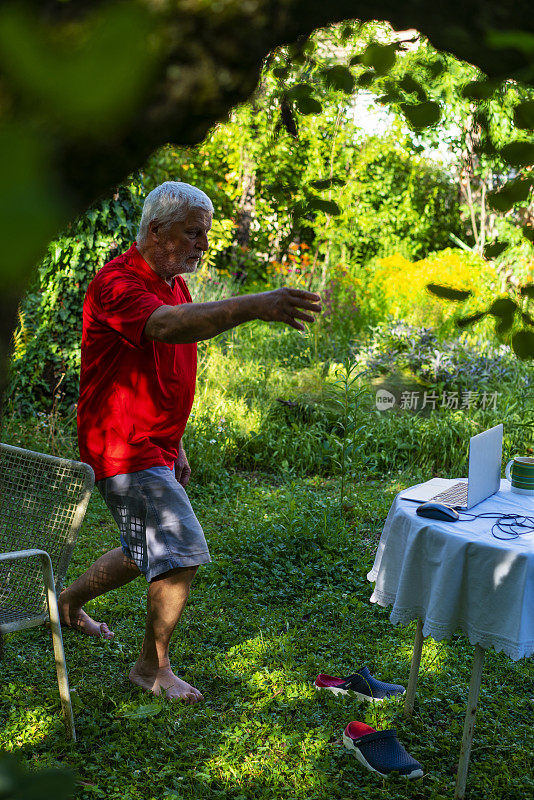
[(437, 511)]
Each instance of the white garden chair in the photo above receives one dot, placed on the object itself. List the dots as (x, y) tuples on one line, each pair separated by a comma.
[(43, 500)]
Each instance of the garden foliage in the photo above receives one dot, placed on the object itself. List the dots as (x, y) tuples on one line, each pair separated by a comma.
[(301, 197), (462, 363), (366, 220), (47, 341), (46, 358), (401, 286)]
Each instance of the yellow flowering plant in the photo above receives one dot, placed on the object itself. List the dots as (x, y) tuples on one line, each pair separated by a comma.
[(402, 286)]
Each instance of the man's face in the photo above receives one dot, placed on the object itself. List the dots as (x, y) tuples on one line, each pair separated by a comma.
[(178, 249)]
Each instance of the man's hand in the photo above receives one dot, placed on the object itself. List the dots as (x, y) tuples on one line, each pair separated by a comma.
[(286, 305), (182, 470)]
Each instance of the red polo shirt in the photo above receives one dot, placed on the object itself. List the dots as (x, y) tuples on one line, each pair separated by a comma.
[(135, 394)]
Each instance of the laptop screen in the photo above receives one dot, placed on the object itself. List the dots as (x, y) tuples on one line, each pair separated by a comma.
[(485, 462)]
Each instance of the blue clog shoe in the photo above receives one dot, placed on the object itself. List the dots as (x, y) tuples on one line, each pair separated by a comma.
[(380, 751), (362, 683)]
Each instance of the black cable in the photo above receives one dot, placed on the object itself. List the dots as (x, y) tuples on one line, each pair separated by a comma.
[(512, 526)]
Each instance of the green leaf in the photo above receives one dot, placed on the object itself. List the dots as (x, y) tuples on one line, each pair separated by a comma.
[(346, 32), (495, 249), (366, 78), (326, 183), (287, 118), (309, 105), (478, 90), (481, 118), (435, 68), (141, 712), (515, 191), (519, 188), (523, 344), (528, 232), (524, 115), (410, 85), (327, 206), (392, 92), (27, 182), (502, 307), (527, 290), (299, 91), (503, 324), (421, 115), (17, 782), (357, 59), (340, 77), (527, 319), (464, 322), (485, 146), (500, 201), (518, 154), (511, 40), (298, 210), (447, 292), (88, 77), (296, 53), (379, 56), (281, 72)]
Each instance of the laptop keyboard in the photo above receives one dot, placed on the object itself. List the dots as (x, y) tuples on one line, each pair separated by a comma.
[(455, 495)]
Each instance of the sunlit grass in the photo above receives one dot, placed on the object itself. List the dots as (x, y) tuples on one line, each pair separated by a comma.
[(29, 726), (286, 597)]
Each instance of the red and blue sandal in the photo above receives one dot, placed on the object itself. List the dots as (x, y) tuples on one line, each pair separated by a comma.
[(362, 683), (380, 751)]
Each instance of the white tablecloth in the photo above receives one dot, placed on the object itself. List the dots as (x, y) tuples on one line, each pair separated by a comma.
[(457, 575)]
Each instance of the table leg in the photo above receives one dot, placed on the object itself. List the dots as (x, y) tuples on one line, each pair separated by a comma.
[(414, 669), (469, 724)]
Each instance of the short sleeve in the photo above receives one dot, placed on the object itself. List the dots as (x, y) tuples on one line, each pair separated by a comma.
[(124, 303)]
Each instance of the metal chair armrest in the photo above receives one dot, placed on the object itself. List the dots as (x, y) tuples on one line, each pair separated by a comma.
[(13, 555)]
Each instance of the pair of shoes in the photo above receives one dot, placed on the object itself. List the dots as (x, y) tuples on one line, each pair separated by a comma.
[(380, 751), (377, 751), (362, 684)]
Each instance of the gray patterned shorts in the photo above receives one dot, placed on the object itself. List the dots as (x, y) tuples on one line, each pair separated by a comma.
[(158, 527)]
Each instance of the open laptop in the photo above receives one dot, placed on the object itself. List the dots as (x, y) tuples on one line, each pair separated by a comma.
[(484, 479)]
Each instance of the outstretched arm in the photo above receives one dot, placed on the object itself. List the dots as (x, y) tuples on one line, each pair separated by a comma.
[(192, 322)]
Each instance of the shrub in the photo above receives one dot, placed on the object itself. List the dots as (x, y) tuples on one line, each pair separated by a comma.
[(401, 285), (460, 363)]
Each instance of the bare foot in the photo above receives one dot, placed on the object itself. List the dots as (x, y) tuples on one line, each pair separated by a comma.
[(80, 621), (165, 680)]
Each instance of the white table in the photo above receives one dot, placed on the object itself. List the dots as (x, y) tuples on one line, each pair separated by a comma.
[(457, 575)]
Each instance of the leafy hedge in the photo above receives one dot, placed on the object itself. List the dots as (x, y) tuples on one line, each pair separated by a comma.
[(46, 359)]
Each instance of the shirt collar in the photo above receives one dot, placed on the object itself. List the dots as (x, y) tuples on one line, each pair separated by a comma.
[(136, 259)]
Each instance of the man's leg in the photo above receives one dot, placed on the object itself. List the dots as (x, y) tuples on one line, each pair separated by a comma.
[(167, 596), (110, 571)]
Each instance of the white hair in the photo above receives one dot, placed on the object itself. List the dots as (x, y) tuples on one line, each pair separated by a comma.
[(171, 202)]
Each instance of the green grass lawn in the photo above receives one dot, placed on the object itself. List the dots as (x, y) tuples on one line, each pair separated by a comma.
[(286, 597)]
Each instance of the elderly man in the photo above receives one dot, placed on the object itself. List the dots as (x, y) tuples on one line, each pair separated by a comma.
[(137, 385)]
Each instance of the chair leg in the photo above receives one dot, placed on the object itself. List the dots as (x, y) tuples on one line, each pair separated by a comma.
[(414, 669), (59, 653)]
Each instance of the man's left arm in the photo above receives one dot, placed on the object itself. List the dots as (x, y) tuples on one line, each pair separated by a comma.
[(182, 470)]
